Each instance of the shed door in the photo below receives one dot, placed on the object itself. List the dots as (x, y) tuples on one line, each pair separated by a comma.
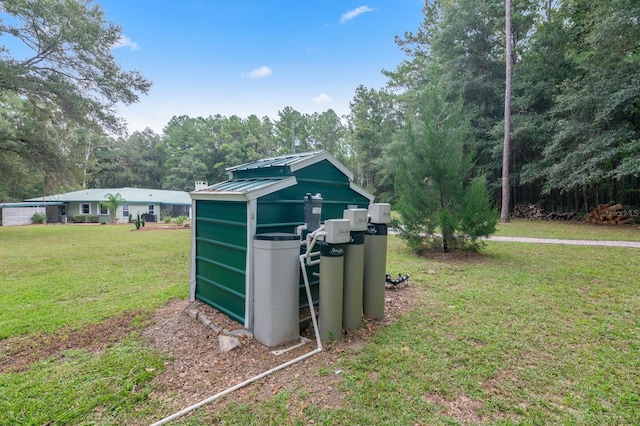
[(221, 255)]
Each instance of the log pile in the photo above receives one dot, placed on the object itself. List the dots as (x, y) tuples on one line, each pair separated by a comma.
[(561, 216), (604, 214), (527, 211), (535, 212)]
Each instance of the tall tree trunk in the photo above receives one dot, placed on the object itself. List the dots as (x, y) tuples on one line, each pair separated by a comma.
[(87, 154), (504, 212), (586, 205)]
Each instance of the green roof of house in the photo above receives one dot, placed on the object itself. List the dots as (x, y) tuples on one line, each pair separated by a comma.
[(131, 195)]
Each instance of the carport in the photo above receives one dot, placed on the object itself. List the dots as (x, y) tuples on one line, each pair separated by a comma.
[(13, 214)]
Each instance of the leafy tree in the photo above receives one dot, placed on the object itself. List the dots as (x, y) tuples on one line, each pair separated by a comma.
[(372, 124), (292, 132), (113, 202), (460, 45), (69, 67), (441, 203), (242, 141), (58, 75), (328, 132), (17, 182), (196, 141), (108, 169), (82, 153), (541, 70), (144, 159), (592, 95), (259, 134), (183, 175), (30, 144)]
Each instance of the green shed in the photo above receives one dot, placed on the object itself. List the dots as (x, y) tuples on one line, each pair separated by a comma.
[(260, 197)]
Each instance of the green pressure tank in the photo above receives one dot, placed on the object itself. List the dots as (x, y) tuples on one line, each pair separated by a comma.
[(375, 261), (353, 276), (331, 287)]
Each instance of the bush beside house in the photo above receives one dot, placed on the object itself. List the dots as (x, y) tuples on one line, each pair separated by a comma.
[(85, 218), (39, 218)]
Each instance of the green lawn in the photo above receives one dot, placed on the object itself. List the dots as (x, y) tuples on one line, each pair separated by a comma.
[(521, 334), (59, 278), (568, 230), (56, 276), (524, 334)]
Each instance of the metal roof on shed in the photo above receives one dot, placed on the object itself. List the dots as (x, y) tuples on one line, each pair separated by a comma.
[(293, 162), (246, 189), (284, 160), (243, 185)]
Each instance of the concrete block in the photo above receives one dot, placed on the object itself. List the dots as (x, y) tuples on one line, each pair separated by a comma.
[(228, 343), (204, 320)]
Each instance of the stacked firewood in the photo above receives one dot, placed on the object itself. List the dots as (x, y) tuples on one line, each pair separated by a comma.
[(604, 214), (561, 216), (535, 212), (527, 211)]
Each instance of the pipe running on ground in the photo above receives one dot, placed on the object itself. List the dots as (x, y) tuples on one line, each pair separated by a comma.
[(268, 372)]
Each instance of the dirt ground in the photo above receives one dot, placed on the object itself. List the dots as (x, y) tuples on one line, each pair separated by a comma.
[(199, 369), (18, 353), (196, 368)]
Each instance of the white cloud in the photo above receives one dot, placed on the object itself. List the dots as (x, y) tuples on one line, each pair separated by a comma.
[(261, 72), (355, 12), (322, 99), (125, 41)]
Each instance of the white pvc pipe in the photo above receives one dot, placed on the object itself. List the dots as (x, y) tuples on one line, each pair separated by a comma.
[(266, 373), (316, 235), (313, 263), (299, 230), (311, 235)]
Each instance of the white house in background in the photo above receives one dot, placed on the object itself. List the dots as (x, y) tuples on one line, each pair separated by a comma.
[(150, 202)]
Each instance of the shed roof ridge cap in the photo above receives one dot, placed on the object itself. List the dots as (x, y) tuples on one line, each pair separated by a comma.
[(296, 157), (292, 155)]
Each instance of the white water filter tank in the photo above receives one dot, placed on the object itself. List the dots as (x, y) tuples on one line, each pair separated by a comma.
[(276, 289)]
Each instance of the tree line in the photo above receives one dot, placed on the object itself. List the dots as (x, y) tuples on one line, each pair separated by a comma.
[(575, 104), (575, 108)]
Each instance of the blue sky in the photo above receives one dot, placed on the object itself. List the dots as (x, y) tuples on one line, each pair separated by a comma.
[(243, 57)]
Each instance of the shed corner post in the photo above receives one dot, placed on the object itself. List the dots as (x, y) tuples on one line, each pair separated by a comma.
[(192, 266), (252, 213)]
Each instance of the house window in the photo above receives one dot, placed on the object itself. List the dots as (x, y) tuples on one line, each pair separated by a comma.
[(63, 210), (103, 209), (152, 208), (85, 208), (125, 210)]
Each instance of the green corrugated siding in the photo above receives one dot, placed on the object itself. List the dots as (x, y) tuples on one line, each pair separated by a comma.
[(221, 230), (221, 254), (282, 211), (323, 170)]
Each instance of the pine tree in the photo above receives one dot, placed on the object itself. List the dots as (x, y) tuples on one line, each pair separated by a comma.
[(441, 203)]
